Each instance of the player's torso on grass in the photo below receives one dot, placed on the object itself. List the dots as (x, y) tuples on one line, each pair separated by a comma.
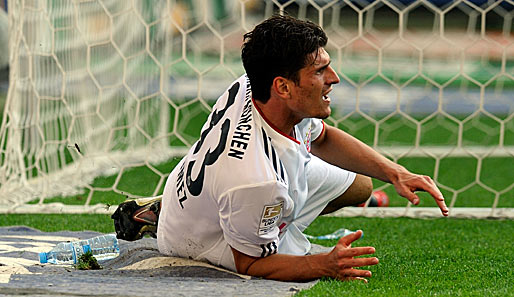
[(238, 184)]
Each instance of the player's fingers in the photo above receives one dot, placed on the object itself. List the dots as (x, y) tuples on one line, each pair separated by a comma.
[(359, 262), (355, 252), (442, 206), (351, 272), (413, 198), (347, 240), (353, 279), (433, 190), (359, 279)]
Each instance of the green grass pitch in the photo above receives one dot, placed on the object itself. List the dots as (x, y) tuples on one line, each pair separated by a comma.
[(418, 257)]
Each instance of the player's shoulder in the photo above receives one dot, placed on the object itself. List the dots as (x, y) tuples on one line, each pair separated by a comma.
[(232, 148), (234, 92), (256, 164)]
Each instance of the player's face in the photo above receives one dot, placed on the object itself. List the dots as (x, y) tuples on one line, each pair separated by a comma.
[(310, 95)]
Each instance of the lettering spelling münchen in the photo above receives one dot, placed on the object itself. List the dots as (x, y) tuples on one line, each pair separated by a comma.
[(242, 133)]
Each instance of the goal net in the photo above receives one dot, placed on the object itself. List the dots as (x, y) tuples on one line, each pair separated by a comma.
[(105, 96)]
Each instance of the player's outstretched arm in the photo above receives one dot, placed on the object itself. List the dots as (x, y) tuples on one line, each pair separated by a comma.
[(342, 149), (340, 263)]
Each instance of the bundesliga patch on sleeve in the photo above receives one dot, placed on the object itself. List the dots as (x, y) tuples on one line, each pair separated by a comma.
[(270, 217)]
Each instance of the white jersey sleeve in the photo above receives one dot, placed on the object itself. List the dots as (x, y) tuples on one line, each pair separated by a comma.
[(249, 217), (310, 129), (317, 127)]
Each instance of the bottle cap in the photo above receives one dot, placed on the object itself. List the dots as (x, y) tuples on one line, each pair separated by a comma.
[(86, 248), (42, 258)]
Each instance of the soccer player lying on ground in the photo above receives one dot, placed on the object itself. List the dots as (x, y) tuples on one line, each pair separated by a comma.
[(266, 165)]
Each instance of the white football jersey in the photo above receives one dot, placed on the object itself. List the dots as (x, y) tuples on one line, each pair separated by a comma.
[(238, 186)]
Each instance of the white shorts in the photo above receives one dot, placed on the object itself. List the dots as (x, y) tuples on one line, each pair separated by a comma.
[(325, 183)]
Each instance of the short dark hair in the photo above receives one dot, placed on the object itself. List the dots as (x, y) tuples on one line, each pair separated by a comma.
[(279, 46)]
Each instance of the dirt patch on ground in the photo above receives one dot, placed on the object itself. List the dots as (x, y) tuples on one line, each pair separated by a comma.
[(139, 270)]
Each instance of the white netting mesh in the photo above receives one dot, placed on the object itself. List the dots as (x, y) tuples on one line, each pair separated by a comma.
[(104, 96)]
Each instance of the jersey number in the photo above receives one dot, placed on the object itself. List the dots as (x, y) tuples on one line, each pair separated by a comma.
[(195, 186)]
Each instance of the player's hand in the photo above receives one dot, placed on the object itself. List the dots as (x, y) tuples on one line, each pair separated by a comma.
[(343, 262), (407, 183)]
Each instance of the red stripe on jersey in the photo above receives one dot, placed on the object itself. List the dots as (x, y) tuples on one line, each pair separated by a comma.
[(273, 126)]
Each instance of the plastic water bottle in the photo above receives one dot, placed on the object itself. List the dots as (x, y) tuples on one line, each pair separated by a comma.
[(334, 235), (103, 247)]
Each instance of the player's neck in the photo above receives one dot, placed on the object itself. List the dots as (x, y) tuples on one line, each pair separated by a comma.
[(278, 115)]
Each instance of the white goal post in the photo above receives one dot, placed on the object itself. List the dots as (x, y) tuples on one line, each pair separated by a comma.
[(103, 90)]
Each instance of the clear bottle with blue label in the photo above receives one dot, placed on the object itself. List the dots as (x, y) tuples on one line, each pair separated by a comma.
[(103, 247), (334, 235)]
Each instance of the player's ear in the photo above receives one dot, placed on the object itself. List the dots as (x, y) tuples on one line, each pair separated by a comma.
[(281, 87)]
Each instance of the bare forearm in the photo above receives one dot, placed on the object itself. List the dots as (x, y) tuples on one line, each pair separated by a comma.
[(345, 151), (340, 263), (289, 268)]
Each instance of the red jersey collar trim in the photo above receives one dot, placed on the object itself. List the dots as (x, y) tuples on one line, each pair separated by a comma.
[(271, 125)]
